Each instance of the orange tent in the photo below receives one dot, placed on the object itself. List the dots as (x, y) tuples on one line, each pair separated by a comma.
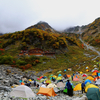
[(22, 83), (76, 76), (94, 73), (68, 75), (47, 91)]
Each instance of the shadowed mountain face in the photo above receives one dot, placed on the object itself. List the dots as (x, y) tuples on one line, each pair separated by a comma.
[(43, 26), (76, 29)]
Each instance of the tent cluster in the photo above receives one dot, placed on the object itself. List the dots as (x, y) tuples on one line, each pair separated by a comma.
[(52, 84)]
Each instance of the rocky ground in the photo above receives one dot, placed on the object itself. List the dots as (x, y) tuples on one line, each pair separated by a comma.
[(10, 76)]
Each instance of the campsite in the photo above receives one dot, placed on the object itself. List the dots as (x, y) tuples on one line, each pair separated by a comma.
[(50, 87)]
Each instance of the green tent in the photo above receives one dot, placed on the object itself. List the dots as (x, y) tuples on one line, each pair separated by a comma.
[(93, 94)]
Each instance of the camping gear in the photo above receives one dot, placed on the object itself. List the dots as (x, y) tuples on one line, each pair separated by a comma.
[(59, 75), (90, 86), (22, 91), (77, 87), (75, 79), (87, 81), (87, 84), (76, 76), (48, 81), (96, 71), (47, 91), (60, 85), (93, 94), (84, 75), (50, 75), (90, 78), (65, 91), (51, 85), (59, 78), (98, 82)]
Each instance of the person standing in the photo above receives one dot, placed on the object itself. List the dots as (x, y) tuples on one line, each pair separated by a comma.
[(83, 87), (69, 88)]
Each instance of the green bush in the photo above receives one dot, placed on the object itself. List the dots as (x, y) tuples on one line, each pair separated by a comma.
[(20, 62), (6, 59)]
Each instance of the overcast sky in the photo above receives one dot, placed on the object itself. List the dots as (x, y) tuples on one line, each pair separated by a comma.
[(16, 15)]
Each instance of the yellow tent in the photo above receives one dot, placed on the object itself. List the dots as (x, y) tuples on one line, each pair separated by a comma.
[(87, 70), (48, 81), (77, 87), (54, 76), (87, 84), (90, 86), (47, 91), (81, 72), (90, 78), (58, 78), (30, 80)]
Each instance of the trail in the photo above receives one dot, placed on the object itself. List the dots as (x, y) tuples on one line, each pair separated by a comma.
[(88, 46), (91, 48)]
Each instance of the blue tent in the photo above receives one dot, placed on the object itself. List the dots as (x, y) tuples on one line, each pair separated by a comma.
[(65, 70), (87, 81), (98, 74), (59, 75)]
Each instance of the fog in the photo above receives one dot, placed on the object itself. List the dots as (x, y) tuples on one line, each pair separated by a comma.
[(17, 15)]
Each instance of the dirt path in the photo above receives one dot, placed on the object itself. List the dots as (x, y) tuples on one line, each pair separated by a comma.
[(91, 48)]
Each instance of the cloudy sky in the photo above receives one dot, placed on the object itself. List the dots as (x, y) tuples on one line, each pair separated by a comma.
[(16, 15)]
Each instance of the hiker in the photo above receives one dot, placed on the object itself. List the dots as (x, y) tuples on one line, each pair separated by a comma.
[(37, 85), (34, 82), (83, 87), (69, 88), (65, 76), (28, 84), (72, 77), (53, 79)]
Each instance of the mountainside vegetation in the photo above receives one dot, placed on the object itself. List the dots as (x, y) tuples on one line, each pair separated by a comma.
[(69, 50), (92, 34), (12, 43)]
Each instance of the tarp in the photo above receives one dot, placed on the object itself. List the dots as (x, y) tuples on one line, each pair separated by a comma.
[(93, 94), (77, 87), (47, 91), (90, 86), (22, 91), (90, 78)]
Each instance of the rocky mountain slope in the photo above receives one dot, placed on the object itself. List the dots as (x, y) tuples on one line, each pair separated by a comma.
[(43, 26)]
